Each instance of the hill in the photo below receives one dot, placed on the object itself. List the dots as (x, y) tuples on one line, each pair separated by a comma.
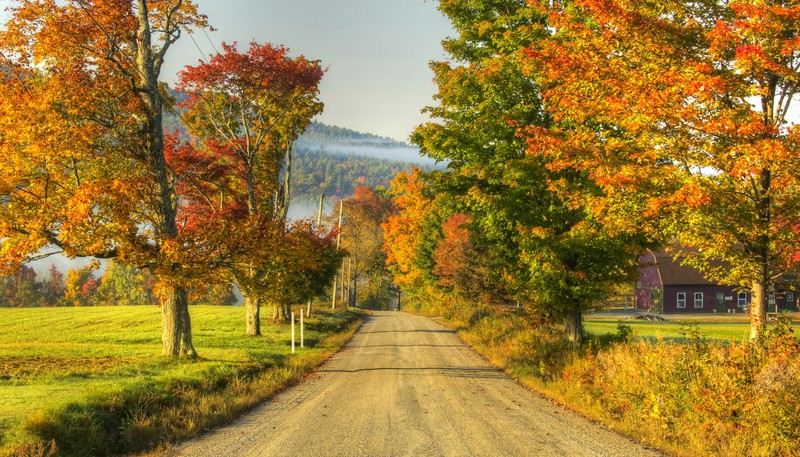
[(319, 134)]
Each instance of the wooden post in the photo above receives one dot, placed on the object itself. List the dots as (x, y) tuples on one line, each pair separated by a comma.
[(302, 330), (292, 332), (341, 214), (338, 242), (319, 212), (333, 296), (349, 278)]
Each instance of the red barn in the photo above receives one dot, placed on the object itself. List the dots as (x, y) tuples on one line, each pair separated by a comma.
[(666, 286)]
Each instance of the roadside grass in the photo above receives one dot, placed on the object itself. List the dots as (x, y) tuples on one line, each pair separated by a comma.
[(92, 379), (680, 328)]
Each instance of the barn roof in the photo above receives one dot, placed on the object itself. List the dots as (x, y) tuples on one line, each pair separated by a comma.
[(673, 273)]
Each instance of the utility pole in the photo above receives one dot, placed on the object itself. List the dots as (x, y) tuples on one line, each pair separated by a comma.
[(349, 279), (338, 242), (319, 225), (319, 212)]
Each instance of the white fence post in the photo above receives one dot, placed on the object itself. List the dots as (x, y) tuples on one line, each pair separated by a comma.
[(292, 332), (302, 330)]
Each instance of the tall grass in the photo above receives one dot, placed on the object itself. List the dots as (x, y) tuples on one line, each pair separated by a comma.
[(90, 381)]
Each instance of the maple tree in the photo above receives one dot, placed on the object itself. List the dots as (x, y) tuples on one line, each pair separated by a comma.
[(679, 112), (245, 110), (84, 170), (304, 264), (80, 285), (404, 228), (456, 257)]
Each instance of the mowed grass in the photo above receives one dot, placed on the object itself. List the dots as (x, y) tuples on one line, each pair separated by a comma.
[(52, 359), (679, 328)]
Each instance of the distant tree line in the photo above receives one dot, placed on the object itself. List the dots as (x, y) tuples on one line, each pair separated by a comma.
[(119, 285), (318, 132), (338, 175)]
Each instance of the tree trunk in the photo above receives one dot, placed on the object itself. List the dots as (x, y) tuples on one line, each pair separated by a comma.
[(282, 204), (280, 313), (176, 327), (758, 301), (252, 308), (355, 292), (758, 309), (573, 326)]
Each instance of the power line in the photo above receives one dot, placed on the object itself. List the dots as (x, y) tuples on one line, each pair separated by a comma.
[(202, 55), (209, 40)]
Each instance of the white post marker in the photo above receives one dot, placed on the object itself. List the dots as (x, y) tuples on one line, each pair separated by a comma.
[(302, 333), (292, 332)]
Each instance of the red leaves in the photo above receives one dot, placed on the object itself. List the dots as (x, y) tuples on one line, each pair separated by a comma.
[(454, 256), (264, 68)]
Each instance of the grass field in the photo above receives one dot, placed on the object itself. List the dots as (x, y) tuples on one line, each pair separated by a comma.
[(677, 328), (54, 360)]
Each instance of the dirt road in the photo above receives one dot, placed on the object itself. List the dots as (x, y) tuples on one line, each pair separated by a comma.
[(406, 386)]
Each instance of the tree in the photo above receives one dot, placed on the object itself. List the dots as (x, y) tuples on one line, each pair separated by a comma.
[(245, 111), (54, 288), (304, 265), (528, 214), (403, 229), (680, 114), (20, 289), (124, 285), (457, 258), (80, 286), (84, 167)]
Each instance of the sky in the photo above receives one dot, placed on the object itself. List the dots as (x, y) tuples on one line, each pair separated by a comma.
[(376, 51)]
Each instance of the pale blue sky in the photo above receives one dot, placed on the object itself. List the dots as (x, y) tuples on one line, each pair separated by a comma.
[(376, 51)]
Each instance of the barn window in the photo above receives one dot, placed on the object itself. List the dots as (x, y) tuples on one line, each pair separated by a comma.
[(742, 301), (681, 299), (698, 299)]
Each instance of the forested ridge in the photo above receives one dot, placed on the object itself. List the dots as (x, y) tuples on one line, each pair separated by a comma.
[(338, 174), (320, 133)]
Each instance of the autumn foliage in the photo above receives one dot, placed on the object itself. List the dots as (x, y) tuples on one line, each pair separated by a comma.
[(89, 171), (679, 112)]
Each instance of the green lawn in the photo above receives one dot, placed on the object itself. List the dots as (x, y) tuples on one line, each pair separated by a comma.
[(53, 357), (719, 328)]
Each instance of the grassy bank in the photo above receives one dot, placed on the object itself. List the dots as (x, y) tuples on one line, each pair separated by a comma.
[(680, 387), (91, 379)]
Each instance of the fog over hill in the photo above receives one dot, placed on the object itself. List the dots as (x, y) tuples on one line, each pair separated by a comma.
[(332, 139)]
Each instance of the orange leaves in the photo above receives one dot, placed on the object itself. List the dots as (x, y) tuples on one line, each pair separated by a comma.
[(403, 229)]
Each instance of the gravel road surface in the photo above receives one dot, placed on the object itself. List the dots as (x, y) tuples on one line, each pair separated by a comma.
[(406, 386)]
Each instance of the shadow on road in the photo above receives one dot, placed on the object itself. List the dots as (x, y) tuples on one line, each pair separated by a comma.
[(450, 372), (408, 331), (410, 346)]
